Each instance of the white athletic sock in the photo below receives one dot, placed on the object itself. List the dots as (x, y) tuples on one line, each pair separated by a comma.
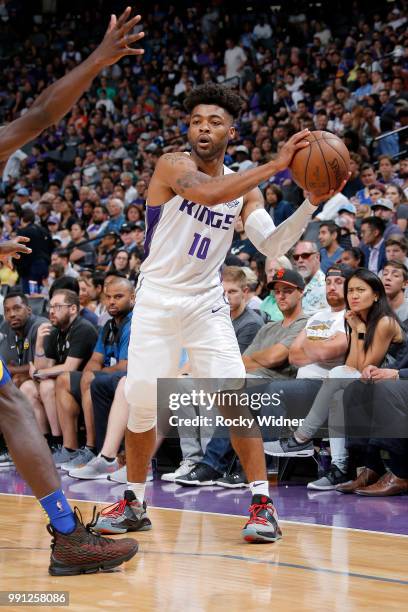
[(259, 487), (138, 489)]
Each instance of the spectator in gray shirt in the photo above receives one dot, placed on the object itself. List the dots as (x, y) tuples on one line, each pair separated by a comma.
[(18, 335)]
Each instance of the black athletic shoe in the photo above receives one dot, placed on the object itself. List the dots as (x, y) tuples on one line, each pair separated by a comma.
[(263, 525), (85, 552), (236, 480), (202, 475)]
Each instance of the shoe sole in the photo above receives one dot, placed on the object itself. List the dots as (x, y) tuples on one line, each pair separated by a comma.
[(254, 537), (305, 453), (57, 570), (321, 488), (195, 483), (6, 465), (167, 478), (94, 477), (226, 485)]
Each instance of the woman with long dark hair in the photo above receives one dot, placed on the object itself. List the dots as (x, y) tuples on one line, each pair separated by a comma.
[(375, 337)]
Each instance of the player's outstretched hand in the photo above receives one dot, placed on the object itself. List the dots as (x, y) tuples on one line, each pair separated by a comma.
[(118, 39), (318, 199), (294, 144), (13, 248)]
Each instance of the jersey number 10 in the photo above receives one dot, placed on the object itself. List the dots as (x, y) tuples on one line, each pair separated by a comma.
[(202, 244)]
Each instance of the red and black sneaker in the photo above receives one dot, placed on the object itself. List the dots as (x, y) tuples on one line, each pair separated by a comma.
[(85, 552), (263, 523)]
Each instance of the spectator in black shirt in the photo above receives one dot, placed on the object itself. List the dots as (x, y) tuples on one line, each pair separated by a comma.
[(63, 345), (34, 266)]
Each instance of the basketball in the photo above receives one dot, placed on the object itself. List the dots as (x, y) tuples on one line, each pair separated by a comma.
[(322, 166)]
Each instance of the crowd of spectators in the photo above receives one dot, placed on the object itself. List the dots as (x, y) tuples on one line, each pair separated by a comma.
[(79, 190)]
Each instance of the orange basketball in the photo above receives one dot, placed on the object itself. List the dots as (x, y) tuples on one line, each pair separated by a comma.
[(323, 165)]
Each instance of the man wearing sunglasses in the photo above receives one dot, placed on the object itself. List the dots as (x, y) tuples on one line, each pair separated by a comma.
[(307, 261)]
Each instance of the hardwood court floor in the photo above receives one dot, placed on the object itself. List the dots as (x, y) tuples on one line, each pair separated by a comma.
[(194, 561)]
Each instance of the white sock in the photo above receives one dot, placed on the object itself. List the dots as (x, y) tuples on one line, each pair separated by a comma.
[(259, 487), (138, 489)]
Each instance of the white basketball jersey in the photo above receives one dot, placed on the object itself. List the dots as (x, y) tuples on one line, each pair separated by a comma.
[(186, 243)]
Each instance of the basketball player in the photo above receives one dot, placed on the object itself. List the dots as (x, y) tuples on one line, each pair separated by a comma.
[(75, 548), (193, 201)]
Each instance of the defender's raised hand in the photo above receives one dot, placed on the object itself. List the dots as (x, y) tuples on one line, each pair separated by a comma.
[(118, 39), (13, 248)]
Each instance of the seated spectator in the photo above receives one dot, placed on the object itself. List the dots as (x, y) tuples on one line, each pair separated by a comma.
[(368, 177), (133, 213), (116, 216), (354, 184), (373, 244), (82, 253), (384, 209), (374, 337), (135, 261), (397, 196), (106, 250), (97, 304), (307, 262), (64, 344), (61, 257), (388, 400), (253, 301), (18, 335), (353, 258), (99, 222), (346, 220), (120, 261), (267, 356), (396, 248), (330, 252), (317, 349), (269, 305), (394, 278), (85, 299), (73, 388), (127, 236), (241, 246), (278, 208)]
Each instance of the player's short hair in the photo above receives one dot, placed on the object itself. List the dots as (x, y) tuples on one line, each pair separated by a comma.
[(235, 274), (398, 266), (214, 93)]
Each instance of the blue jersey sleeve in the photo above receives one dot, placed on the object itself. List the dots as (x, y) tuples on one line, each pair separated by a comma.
[(4, 374), (124, 342)]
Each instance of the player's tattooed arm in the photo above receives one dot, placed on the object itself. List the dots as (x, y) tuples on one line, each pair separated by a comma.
[(179, 173)]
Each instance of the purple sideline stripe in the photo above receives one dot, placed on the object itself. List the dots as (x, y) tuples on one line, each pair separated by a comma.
[(152, 221)]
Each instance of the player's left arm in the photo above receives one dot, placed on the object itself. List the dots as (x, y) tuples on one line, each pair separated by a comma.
[(270, 240)]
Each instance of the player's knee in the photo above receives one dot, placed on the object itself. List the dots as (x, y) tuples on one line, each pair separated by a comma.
[(141, 419)]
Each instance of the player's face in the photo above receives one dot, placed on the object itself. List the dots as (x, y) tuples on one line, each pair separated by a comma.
[(335, 291), (209, 131)]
